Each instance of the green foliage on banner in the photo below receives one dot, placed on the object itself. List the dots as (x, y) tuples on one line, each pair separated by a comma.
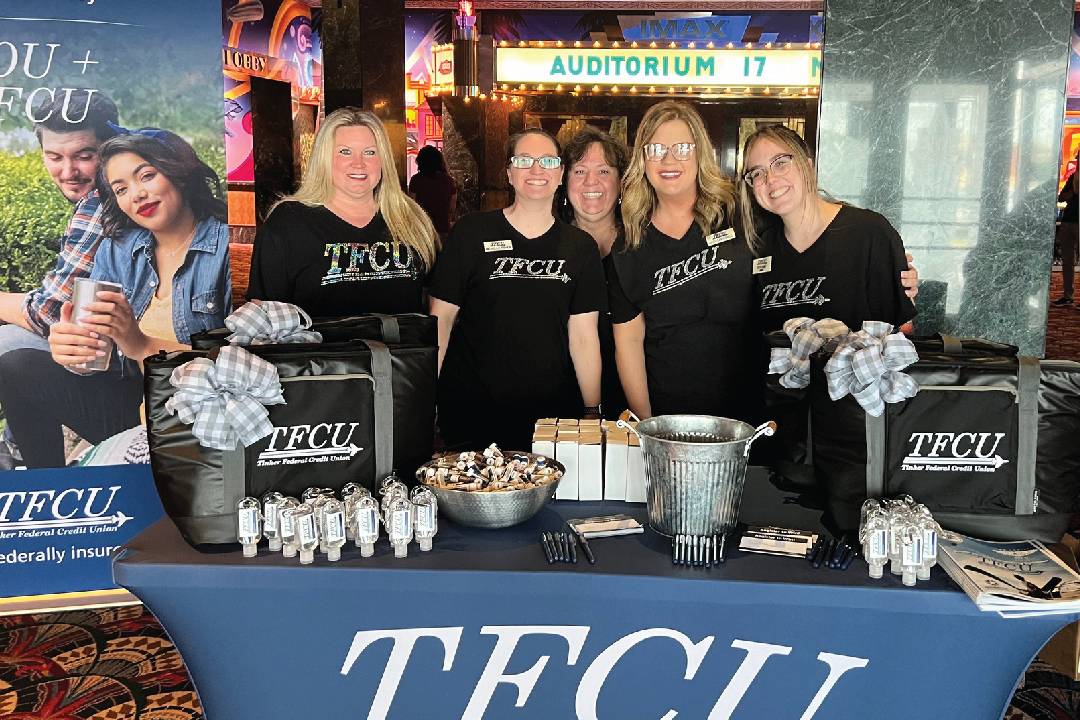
[(33, 216)]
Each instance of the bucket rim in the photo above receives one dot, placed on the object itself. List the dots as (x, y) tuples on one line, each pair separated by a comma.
[(645, 434)]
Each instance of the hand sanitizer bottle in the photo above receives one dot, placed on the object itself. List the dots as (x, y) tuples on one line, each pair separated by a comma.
[(271, 525), (287, 526), (425, 517), (333, 513), (366, 522), (399, 525), (307, 534), (249, 525)]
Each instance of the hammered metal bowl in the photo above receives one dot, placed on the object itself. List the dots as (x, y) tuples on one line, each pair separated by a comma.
[(493, 509)]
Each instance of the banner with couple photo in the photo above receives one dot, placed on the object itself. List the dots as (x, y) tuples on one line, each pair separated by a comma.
[(111, 154)]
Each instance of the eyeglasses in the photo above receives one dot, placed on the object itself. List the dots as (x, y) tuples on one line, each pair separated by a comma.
[(524, 162), (656, 152), (778, 166)]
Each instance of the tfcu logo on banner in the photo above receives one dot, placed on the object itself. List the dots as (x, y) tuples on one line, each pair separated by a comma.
[(303, 444), (75, 512), (954, 452), (755, 655)]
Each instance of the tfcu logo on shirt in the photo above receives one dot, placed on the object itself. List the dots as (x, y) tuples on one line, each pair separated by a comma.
[(693, 267), (954, 452), (796, 292), (357, 262), (303, 444), (512, 267)]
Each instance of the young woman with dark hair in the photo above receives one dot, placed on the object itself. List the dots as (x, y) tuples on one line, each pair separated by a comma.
[(517, 293), (170, 253)]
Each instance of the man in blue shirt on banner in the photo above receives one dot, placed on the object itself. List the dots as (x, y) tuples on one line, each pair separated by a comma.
[(70, 153)]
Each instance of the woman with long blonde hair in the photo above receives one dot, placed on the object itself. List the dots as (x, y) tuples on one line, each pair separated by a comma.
[(349, 240), (681, 294)]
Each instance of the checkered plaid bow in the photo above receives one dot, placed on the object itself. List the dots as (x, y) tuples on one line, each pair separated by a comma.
[(867, 366), (269, 322), (226, 401), (807, 337)]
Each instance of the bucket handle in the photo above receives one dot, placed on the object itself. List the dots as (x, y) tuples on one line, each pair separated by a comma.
[(627, 426), (767, 429)]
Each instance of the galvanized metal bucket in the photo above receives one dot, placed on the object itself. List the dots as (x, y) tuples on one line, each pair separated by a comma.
[(695, 470)]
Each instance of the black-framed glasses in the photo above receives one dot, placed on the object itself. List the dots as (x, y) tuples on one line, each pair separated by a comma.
[(656, 152), (524, 162), (778, 166)]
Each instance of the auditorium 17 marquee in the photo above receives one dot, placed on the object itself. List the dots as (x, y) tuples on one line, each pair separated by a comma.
[(658, 67)]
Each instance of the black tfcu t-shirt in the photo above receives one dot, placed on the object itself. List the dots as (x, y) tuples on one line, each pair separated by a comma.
[(312, 258), (851, 273), (508, 360), (701, 343)]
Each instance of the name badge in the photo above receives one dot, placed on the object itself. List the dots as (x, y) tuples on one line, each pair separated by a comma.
[(498, 245), (762, 265), (720, 237)]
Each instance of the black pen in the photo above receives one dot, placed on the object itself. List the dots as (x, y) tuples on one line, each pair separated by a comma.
[(554, 547), (557, 546), (587, 549), (567, 556), (824, 552), (849, 558), (547, 550), (573, 548), (838, 552), (815, 549)]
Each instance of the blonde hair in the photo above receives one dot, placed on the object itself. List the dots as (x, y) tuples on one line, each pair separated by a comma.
[(715, 192), (793, 143), (407, 221)]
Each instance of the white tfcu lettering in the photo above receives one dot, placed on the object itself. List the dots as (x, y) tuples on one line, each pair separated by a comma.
[(689, 269), (315, 437), (959, 445), (795, 292), (594, 677), (523, 267), (62, 505)]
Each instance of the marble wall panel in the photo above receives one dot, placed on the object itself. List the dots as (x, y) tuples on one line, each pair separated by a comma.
[(945, 116)]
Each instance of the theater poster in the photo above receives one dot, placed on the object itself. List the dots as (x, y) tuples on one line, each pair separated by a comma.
[(74, 478)]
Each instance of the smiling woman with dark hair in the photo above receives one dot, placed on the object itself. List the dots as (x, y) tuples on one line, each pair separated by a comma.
[(169, 251)]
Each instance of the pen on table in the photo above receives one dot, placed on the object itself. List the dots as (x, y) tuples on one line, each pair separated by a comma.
[(573, 548), (547, 549), (849, 558), (564, 548), (815, 549), (838, 552), (824, 552), (554, 547), (557, 546), (588, 551)]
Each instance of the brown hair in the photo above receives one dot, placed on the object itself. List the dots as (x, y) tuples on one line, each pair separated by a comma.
[(793, 143), (615, 155)]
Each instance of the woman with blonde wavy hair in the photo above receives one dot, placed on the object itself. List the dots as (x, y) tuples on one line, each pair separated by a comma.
[(681, 293), (349, 240)]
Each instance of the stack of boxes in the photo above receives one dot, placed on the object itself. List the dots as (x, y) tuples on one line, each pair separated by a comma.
[(602, 460)]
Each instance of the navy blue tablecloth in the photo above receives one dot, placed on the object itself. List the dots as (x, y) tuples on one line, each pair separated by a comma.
[(483, 627)]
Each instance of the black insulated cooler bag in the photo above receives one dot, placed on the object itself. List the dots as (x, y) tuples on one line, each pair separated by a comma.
[(353, 412), (989, 443)]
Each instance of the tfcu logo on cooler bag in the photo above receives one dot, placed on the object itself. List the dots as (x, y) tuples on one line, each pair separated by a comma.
[(953, 452), (303, 444)]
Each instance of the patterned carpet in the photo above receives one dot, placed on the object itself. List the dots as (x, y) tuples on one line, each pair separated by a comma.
[(118, 664)]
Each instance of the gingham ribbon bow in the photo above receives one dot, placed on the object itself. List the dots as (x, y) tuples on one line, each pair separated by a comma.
[(270, 321), (807, 337), (226, 401), (867, 366)]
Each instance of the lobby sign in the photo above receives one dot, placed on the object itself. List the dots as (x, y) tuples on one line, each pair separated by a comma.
[(660, 67), (75, 489), (58, 529)]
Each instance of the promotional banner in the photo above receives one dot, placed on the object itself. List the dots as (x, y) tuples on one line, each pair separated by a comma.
[(111, 154)]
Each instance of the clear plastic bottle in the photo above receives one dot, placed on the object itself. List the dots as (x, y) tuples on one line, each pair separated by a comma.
[(875, 541), (309, 494), (271, 525), (307, 534), (399, 525), (317, 504), (333, 513), (897, 514), (929, 528), (911, 556), (366, 524), (349, 494), (288, 526), (249, 525), (425, 516)]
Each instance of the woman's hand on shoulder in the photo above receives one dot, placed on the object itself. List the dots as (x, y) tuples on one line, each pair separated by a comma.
[(910, 278), (73, 344)]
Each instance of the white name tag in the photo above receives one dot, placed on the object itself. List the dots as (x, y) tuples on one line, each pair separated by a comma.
[(720, 237), (763, 265), (498, 245)]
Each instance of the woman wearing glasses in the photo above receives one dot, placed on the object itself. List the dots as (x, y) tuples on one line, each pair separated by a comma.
[(681, 291), (517, 293), (822, 259)]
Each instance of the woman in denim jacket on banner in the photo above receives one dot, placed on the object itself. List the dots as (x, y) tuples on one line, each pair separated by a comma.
[(168, 246)]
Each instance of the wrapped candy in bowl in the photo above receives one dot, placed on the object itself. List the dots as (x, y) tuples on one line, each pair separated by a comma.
[(491, 489)]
